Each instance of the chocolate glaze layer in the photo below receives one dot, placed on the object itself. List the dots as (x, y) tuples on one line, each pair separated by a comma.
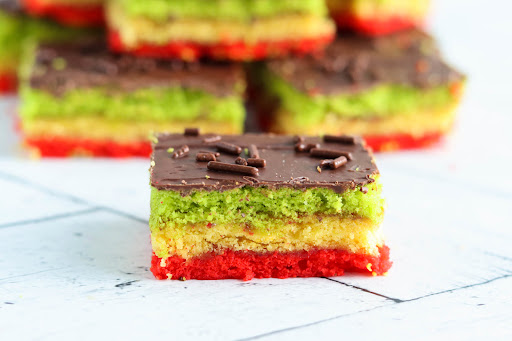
[(354, 63), (60, 68), (11, 6), (285, 168)]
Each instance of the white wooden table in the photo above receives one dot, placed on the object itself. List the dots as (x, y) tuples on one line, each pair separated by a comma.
[(75, 251)]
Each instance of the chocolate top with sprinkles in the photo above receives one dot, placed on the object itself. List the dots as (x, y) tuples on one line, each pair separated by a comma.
[(354, 63), (284, 168), (88, 64)]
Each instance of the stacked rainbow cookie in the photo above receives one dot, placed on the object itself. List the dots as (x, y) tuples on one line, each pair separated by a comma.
[(168, 64), (80, 99), (394, 90), (219, 29), (378, 17), (17, 31), (81, 13), (259, 205), (382, 78)]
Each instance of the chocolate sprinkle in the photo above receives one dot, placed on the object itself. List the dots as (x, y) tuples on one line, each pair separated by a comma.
[(326, 163), (229, 148), (182, 152), (343, 139), (217, 154), (300, 147), (338, 162), (257, 162), (205, 157), (232, 168), (253, 151), (330, 153), (191, 132), (212, 139), (241, 161)]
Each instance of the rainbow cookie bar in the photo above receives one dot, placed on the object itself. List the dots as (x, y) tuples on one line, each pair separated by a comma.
[(219, 29), (395, 90), (81, 13), (81, 99), (378, 17), (16, 31), (259, 205)]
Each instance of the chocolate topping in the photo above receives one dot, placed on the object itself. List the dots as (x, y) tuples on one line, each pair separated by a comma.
[(354, 63), (285, 168), (89, 64)]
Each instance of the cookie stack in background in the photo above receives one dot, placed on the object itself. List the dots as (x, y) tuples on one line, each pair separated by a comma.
[(17, 31), (163, 65), (382, 78), (74, 13)]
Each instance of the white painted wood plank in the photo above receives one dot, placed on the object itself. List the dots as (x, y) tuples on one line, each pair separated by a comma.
[(119, 184), (22, 203), (477, 313)]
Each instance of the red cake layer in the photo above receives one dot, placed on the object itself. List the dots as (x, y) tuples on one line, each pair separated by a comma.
[(8, 83), (246, 265), (392, 142), (224, 50), (77, 16), (374, 26), (65, 147)]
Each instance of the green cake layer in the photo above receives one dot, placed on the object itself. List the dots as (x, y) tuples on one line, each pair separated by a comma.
[(258, 207), (220, 9), (377, 102), (11, 37), (142, 105)]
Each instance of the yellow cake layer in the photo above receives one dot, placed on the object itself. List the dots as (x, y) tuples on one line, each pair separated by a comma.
[(72, 2), (100, 128), (7, 66), (360, 235), (417, 124), (378, 9), (140, 30)]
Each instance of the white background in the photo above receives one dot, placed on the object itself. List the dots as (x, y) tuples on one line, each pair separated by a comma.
[(74, 240)]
